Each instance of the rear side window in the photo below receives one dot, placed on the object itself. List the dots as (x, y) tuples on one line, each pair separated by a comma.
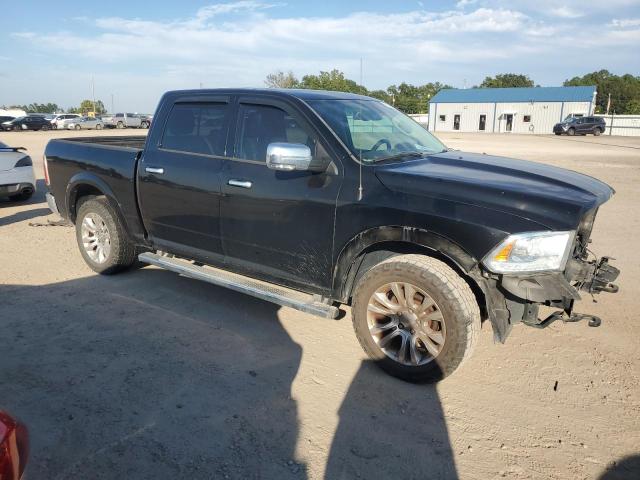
[(260, 125), (196, 128)]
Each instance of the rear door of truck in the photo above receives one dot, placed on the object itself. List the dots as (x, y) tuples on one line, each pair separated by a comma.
[(179, 184)]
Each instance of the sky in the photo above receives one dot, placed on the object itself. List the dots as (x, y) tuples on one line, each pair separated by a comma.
[(136, 50)]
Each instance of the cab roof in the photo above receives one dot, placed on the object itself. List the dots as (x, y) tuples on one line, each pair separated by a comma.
[(302, 94)]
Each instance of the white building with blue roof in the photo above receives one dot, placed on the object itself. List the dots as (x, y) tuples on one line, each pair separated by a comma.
[(508, 110)]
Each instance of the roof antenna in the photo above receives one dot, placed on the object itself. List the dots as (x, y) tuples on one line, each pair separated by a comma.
[(360, 150)]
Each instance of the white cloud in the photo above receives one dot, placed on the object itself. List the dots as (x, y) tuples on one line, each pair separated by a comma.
[(465, 3), (239, 43), (625, 23), (566, 12)]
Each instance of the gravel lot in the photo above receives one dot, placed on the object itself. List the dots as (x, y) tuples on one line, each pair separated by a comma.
[(147, 375)]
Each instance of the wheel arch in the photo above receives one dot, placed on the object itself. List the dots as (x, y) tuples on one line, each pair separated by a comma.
[(85, 184), (377, 244)]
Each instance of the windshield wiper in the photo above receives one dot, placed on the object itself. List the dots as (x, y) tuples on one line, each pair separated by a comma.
[(403, 155)]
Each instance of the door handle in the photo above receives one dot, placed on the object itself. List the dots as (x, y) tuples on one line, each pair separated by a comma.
[(240, 183), (159, 171)]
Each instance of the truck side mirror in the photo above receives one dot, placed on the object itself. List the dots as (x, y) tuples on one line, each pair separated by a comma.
[(290, 156)]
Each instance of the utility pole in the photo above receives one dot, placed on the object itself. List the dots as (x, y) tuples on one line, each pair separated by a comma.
[(93, 95)]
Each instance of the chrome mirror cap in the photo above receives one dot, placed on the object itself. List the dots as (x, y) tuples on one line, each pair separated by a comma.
[(288, 156)]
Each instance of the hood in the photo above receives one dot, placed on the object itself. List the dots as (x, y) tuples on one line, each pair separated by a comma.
[(553, 197)]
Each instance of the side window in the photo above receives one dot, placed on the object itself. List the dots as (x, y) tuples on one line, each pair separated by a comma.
[(260, 125), (119, 115), (196, 128)]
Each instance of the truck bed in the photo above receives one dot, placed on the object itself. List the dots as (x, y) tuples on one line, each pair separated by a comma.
[(135, 142), (106, 163)]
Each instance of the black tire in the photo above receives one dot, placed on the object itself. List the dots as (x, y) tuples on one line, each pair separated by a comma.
[(77, 127), (99, 126), (571, 132), (144, 125), (453, 297), (597, 131), (44, 128), (558, 133), (122, 252), (119, 125), (22, 196)]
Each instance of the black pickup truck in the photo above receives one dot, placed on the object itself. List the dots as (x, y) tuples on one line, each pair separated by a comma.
[(315, 199)]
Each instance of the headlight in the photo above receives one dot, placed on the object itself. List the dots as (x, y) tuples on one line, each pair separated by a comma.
[(24, 162), (531, 252)]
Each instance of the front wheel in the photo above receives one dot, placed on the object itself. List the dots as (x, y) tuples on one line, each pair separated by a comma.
[(77, 127), (416, 317), (101, 236), (597, 132), (99, 126), (571, 132), (119, 125)]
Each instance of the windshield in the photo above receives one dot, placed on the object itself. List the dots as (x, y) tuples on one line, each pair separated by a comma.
[(373, 130)]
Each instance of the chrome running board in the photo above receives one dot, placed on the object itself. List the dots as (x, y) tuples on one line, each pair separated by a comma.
[(265, 291)]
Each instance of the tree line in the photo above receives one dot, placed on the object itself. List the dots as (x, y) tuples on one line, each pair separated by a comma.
[(624, 90), (85, 107), (620, 93)]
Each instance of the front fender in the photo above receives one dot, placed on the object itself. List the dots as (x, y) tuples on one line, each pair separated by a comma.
[(343, 275)]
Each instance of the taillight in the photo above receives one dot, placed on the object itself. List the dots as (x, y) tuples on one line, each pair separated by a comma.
[(46, 171)]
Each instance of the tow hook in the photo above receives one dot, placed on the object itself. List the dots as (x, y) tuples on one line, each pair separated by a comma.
[(593, 321)]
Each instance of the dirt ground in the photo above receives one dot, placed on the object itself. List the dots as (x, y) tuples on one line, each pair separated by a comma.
[(147, 375)]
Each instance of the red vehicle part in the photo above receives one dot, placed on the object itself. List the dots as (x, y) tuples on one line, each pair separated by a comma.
[(14, 448)]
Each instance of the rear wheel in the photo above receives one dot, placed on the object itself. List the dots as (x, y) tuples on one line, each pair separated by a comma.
[(144, 125), (99, 126), (416, 317), (119, 125), (77, 127), (571, 132), (101, 237), (597, 131), (44, 128)]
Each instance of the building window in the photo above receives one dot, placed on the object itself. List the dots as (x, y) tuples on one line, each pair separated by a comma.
[(526, 118), (443, 118)]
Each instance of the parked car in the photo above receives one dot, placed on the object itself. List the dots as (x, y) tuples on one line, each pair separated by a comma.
[(59, 118), (314, 199), (14, 448), (29, 122), (124, 120), (580, 126), (84, 123), (17, 179)]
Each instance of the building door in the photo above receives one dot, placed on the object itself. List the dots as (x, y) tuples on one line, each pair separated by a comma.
[(456, 122), (483, 123), (508, 122)]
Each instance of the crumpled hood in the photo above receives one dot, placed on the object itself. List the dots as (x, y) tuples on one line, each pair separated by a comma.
[(553, 197)]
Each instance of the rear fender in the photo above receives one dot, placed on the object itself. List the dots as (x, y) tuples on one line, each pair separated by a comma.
[(84, 182)]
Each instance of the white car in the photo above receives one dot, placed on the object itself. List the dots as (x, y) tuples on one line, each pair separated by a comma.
[(61, 119), (17, 180)]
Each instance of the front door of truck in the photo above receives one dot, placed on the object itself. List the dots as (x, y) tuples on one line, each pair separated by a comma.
[(179, 177), (277, 225)]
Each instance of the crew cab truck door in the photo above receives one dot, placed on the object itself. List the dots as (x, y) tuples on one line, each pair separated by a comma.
[(278, 225), (179, 177)]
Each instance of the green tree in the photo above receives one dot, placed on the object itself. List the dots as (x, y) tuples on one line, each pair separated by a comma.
[(281, 79), (413, 99), (624, 90), (333, 80), (507, 80), (86, 106), (38, 107)]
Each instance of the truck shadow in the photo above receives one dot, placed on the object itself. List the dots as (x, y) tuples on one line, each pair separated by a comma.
[(151, 375), (390, 429)]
